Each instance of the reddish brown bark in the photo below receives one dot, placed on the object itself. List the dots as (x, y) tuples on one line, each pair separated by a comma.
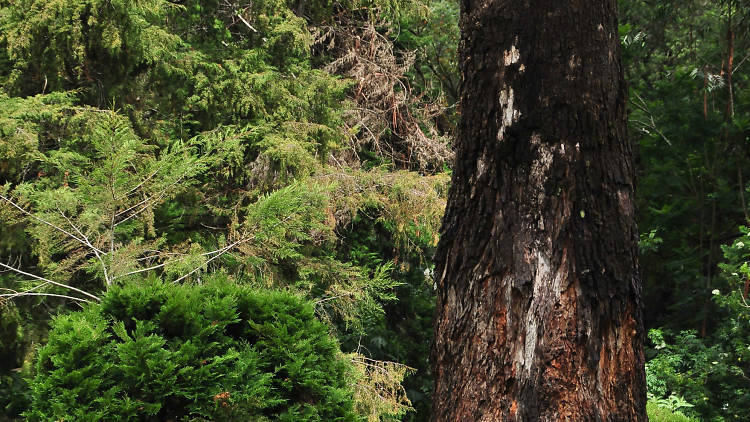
[(730, 64), (539, 298)]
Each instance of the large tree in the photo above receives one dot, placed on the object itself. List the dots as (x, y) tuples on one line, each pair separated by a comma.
[(539, 297)]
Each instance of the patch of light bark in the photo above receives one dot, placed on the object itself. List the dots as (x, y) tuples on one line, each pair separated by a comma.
[(540, 166), (481, 167), (511, 56), (509, 114)]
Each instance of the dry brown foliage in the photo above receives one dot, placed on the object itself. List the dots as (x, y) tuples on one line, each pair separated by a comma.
[(386, 116)]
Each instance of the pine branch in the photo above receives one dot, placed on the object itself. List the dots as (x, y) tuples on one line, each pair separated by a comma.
[(219, 252)]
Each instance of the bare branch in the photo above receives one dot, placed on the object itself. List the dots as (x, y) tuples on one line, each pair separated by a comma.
[(247, 23), (641, 105), (60, 229), (98, 256), (222, 251), (56, 283), (218, 253), (126, 194), (10, 296), (181, 258), (145, 203), (319, 301), (143, 270)]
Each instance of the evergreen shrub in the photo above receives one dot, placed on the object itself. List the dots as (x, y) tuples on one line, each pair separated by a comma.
[(218, 351)]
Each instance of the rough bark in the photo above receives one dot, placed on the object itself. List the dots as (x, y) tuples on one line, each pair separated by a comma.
[(539, 299)]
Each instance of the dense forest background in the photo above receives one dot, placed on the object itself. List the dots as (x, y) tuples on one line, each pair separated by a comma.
[(152, 148)]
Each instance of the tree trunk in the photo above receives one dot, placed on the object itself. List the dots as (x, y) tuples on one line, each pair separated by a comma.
[(539, 299)]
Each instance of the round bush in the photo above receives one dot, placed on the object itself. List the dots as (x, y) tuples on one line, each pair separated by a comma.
[(218, 351)]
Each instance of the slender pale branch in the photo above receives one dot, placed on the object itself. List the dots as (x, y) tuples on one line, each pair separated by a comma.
[(219, 252), (56, 283), (142, 270), (138, 186), (222, 251), (144, 204), (319, 301), (98, 256), (181, 258), (56, 227), (246, 23), (9, 296), (148, 199), (644, 108)]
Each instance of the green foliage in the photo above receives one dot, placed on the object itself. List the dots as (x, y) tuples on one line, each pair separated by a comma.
[(658, 413), (689, 114), (62, 45), (403, 332), (95, 205), (263, 139), (710, 372), (11, 338), (173, 140), (378, 391), (23, 126), (692, 135), (435, 37), (13, 389), (408, 205), (156, 351), (689, 374)]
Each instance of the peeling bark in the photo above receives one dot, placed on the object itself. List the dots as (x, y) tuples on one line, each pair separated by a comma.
[(539, 299)]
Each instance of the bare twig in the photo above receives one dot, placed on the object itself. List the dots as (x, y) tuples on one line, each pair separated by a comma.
[(144, 204), (225, 249), (219, 252), (319, 301), (10, 296), (56, 227), (181, 258), (138, 186), (652, 124), (247, 23), (48, 281), (142, 270), (98, 256)]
